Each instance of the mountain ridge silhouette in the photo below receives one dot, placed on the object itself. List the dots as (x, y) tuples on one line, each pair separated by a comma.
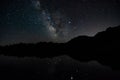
[(103, 47)]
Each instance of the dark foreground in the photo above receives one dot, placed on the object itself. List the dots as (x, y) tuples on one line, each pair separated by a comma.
[(88, 51), (57, 68)]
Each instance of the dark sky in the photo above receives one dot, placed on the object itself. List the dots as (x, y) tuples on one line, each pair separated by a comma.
[(55, 20)]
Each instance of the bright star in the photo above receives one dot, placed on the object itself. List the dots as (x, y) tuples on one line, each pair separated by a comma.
[(71, 77)]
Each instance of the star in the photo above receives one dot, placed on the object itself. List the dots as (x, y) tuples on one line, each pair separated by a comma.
[(71, 78), (49, 18), (69, 22)]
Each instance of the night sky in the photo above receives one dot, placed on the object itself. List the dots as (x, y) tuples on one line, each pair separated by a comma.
[(31, 21)]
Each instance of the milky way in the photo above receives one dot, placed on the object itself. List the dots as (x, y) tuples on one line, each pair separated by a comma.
[(32, 21), (56, 24), (62, 27)]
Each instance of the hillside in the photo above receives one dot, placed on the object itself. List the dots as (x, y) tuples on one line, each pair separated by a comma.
[(103, 47)]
